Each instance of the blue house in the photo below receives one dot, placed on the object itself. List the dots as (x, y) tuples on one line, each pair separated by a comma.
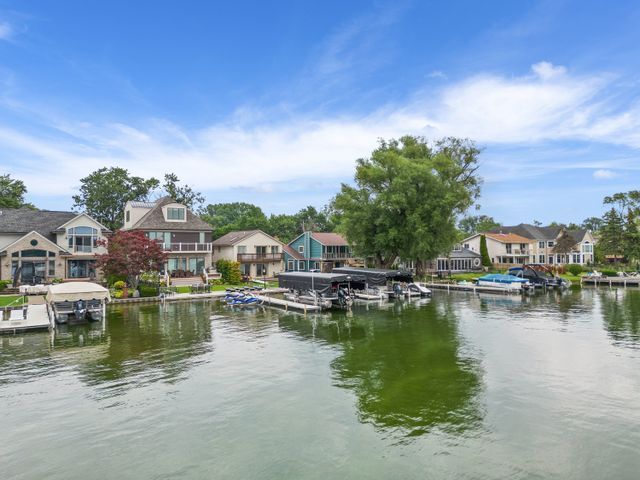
[(317, 251)]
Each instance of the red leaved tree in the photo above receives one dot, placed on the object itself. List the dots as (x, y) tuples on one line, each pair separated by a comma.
[(130, 253)]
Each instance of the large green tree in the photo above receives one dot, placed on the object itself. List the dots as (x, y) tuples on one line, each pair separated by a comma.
[(612, 233), (227, 217), (183, 194), (12, 192), (471, 224), (104, 193), (407, 197)]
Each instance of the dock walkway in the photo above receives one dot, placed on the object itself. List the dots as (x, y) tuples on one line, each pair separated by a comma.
[(470, 288), (611, 282), (37, 318), (286, 304)]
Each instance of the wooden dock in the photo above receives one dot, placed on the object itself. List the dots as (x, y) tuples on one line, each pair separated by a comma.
[(611, 282), (37, 318), (286, 304), (453, 287)]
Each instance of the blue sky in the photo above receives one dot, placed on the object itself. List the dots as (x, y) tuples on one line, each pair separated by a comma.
[(272, 102)]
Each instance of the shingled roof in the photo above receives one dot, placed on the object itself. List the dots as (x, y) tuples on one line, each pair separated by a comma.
[(329, 238), (25, 220), (232, 238), (154, 219)]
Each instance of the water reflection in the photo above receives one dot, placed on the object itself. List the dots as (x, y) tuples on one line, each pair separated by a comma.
[(141, 344), (621, 315), (407, 369)]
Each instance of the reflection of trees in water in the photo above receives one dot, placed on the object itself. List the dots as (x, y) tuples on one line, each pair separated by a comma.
[(150, 343), (405, 367), (621, 315)]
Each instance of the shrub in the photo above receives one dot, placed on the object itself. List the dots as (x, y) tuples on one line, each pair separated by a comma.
[(147, 291), (609, 273), (119, 285), (574, 269), (4, 284), (230, 271), (118, 294), (112, 279)]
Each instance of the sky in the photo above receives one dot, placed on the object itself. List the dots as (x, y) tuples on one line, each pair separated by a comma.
[(272, 102)]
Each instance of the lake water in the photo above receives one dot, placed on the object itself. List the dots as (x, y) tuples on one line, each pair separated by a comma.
[(457, 386)]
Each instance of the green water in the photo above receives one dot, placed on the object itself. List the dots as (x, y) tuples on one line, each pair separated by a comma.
[(458, 386)]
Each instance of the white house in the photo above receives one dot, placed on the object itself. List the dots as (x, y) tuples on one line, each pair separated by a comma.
[(259, 254), (42, 245)]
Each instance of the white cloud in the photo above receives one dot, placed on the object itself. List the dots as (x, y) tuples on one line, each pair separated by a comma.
[(6, 31), (258, 153), (547, 71), (604, 174)]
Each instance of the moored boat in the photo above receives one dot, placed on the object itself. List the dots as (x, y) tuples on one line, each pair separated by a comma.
[(77, 301), (503, 281)]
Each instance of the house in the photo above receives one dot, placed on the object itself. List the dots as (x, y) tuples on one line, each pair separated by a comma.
[(545, 240), (42, 245), (524, 243), (459, 260), (259, 254), (318, 250), (185, 237), (505, 249)]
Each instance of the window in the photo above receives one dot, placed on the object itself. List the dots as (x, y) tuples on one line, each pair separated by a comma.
[(576, 258), (245, 269), (82, 239), (291, 265), (466, 245), (541, 258), (52, 268), (175, 213), (275, 249), (301, 248), (242, 249), (550, 259), (456, 247), (587, 248), (550, 244), (82, 269), (300, 264), (541, 245), (201, 237), (523, 246), (508, 246), (127, 216)]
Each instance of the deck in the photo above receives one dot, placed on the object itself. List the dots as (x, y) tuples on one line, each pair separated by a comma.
[(611, 282), (471, 288), (286, 304), (37, 319)]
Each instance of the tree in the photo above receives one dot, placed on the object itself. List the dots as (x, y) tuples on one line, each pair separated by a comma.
[(407, 197), (284, 227), (12, 192), (229, 270), (184, 195), (104, 193), (593, 224), (484, 251), (612, 233), (228, 217), (564, 243), (477, 223), (130, 253)]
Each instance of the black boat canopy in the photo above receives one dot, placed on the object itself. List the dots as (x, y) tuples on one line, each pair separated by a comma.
[(377, 277), (320, 282)]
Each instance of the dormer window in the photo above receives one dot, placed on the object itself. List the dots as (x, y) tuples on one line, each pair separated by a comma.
[(175, 213)]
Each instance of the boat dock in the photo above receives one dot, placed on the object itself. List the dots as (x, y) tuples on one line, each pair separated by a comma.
[(286, 304), (453, 287), (34, 317), (611, 282)]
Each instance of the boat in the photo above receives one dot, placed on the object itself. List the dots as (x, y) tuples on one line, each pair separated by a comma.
[(418, 289), (240, 298), (390, 282), (80, 301), (504, 281), (539, 276), (320, 287), (310, 298)]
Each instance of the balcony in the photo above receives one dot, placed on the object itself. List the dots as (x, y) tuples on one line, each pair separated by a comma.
[(186, 247), (518, 252), (259, 257), (336, 255)]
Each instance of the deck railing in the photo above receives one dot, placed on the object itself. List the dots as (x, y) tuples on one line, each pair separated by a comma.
[(259, 257), (186, 247), (336, 255)]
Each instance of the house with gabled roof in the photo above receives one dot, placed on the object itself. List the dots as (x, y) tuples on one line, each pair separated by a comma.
[(38, 246), (259, 254), (318, 251), (183, 235)]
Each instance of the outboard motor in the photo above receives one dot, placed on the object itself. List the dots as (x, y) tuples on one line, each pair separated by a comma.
[(80, 309), (397, 289), (343, 298)]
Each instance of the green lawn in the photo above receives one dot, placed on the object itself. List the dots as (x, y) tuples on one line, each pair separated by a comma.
[(13, 300)]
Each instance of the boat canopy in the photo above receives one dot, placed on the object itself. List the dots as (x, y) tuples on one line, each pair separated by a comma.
[(74, 291), (320, 282), (502, 278), (377, 277)]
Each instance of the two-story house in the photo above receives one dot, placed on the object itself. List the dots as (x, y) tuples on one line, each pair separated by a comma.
[(318, 251), (504, 249), (544, 244), (42, 245), (259, 254), (184, 236)]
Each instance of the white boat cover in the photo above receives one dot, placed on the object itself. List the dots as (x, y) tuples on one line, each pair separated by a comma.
[(74, 291)]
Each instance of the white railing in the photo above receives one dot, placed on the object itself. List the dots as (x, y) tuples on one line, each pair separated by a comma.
[(186, 247), (336, 255)]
